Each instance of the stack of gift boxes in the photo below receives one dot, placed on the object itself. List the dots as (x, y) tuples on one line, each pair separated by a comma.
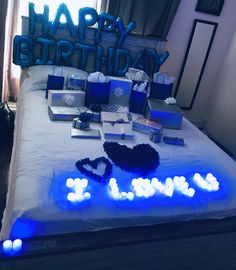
[(108, 100)]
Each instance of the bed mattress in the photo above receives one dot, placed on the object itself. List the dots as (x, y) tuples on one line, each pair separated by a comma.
[(44, 156)]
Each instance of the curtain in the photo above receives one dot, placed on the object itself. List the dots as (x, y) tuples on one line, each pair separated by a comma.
[(152, 17), (10, 75), (3, 15)]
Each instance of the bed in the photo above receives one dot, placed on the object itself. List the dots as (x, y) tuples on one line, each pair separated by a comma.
[(44, 157)]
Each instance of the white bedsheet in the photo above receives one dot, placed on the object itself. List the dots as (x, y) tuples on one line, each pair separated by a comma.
[(43, 150)]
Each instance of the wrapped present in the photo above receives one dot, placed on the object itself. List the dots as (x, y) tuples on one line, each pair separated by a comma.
[(117, 131), (80, 124), (112, 117), (55, 80), (161, 86), (168, 115), (97, 89), (70, 98), (75, 82), (120, 91), (146, 126), (57, 113)]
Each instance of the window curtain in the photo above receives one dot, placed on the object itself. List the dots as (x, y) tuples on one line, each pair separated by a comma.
[(3, 15), (10, 85), (152, 17)]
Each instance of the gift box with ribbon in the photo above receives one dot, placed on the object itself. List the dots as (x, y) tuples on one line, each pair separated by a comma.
[(116, 126), (120, 91), (168, 115)]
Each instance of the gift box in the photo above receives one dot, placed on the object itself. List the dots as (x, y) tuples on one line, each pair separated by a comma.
[(70, 98), (120, 91), (97, 93), (57, 113), (168, 115), (146, 126), (56, 80), (117, 131), (74, 82), (112, 117)]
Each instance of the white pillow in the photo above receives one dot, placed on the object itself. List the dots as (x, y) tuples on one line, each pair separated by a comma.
[(39, 74)]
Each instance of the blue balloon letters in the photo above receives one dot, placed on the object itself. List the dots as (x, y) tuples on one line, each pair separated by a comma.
[(84, 22), (22, 51), (115, 60), (63, 10)]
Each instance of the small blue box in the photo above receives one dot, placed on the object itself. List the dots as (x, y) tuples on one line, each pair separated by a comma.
[(75, 82), (169, 116), (137, 102)]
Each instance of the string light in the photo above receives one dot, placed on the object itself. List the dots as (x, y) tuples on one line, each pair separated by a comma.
[(210, 183), (79, 186), (10, 247)]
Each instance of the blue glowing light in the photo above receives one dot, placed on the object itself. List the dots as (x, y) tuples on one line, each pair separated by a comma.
[(17, 245), (10, 247), (116, 194), (7, 246), (146, 188), (78, 186), (210, 183)]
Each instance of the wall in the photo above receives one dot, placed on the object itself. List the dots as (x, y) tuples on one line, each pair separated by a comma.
[(178, 38), (221, 123)]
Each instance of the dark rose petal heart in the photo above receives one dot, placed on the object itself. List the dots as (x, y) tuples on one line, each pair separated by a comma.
[(81, 166)]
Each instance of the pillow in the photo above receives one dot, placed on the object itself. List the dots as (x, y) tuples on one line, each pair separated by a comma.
[(39, 74)]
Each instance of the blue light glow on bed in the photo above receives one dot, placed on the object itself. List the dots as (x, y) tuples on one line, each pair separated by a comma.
[(144, 188)]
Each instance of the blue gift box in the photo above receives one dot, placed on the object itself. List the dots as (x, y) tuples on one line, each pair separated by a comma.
[(169, 116), (75, 83), (160, 90), (97, 93), (120, 91)]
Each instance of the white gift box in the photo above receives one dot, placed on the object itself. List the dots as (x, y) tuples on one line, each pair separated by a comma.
[(117, 131), (66, 98), (120, 91), (113, 117)]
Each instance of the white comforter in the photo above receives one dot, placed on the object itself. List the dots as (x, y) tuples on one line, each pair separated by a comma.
[(44, 153)]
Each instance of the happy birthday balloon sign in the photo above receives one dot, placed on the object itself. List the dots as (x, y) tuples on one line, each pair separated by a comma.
[(116, 59)]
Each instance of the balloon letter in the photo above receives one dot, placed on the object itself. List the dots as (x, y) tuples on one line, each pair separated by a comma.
[(63, 10), (46, 43), (106, 22), (123, 32), (22, 51), (65, 50), (126, 55), (87, 17), (85, 49), (41, 18)]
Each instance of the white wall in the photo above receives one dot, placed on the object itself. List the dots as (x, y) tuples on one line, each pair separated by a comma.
[(178, 38), (222, 110)]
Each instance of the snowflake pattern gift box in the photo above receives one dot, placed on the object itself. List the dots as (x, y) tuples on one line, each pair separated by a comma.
[(120, 91)]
